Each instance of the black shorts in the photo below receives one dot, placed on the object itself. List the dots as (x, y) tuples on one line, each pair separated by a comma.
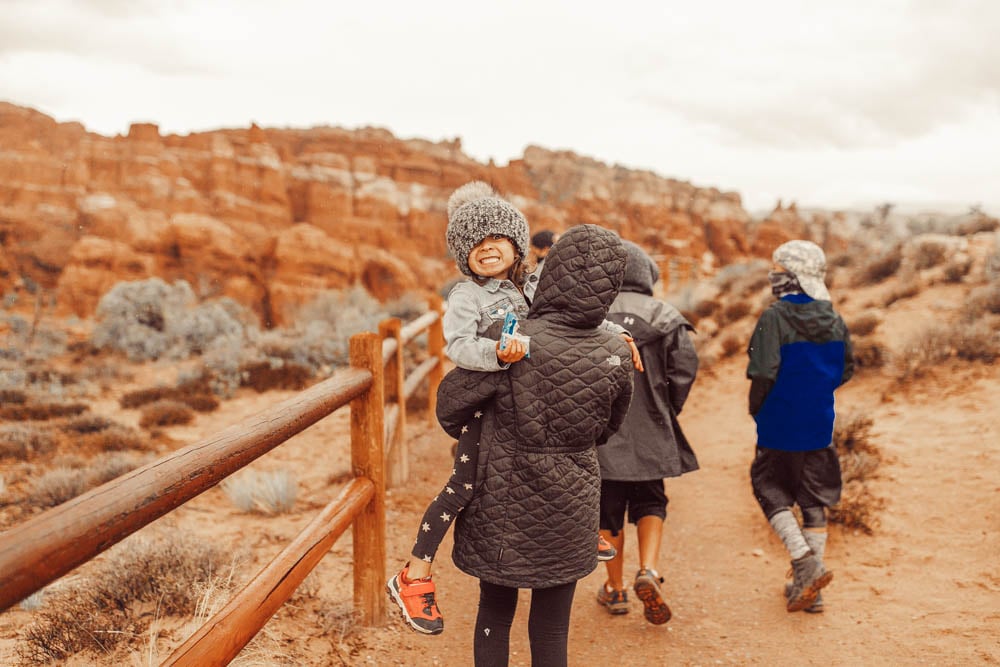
[(808, 479), (640, 499)]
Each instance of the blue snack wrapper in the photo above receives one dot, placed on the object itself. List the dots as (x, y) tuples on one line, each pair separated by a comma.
[(509, 332)]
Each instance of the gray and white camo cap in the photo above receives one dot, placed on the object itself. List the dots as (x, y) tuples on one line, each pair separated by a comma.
[(807, 262)]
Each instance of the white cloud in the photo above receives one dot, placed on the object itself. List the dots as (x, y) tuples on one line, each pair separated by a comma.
[(821, 102)]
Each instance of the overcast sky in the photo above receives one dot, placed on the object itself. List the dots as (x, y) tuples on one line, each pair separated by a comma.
[(834, 104)]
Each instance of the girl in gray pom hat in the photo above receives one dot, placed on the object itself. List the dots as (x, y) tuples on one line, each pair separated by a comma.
[(800, 353), (488, 237)]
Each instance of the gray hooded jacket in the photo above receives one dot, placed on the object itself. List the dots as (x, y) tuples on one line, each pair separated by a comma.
[(650, 444), (533, 518)]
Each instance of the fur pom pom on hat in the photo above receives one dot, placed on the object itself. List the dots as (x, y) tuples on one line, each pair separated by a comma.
[(476, 211)]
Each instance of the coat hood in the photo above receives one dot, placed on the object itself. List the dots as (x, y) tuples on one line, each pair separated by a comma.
[(583, 274), (641, 272)]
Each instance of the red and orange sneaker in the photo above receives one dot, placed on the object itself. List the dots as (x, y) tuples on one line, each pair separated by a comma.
[(605, 551), (416, 601)]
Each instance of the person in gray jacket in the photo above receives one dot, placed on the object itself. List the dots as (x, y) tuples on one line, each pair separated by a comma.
[(534, 512), (650, 444)]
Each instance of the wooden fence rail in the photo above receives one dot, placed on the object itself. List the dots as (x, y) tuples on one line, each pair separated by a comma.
[(44, 548)]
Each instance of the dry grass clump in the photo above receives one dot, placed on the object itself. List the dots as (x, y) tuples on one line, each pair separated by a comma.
[(864, 324), (905, 291), (195, 393), (22, 441), (869, 354), (276, 374), (706, 308), (982, 301), (929, 254), (111, 605), (735, 311), (956, 270), (117, 438), (265, 492), (731, 345), (66, 482), (881, 268), (41, 411), (12, 396), (938, 343), (87, 424), (165, 413), (859, 461)]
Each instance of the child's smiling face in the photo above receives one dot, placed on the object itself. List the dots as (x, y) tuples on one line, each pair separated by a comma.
[(493, 257)]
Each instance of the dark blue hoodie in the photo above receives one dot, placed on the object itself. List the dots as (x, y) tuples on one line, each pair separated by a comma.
[(800, 352)]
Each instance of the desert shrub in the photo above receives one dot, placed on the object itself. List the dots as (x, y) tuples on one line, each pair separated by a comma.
[(407, 307), (105, 607), (12, 396), (864, 324), (706, 308), (981, 301), (196, 394), (276, 374), (938, 343), (66, 482), (979, 342), (929, 254), (690, 316), (859, 460), (150, 319), (86, 424), (976, 224), (905, 291), (118, 438), (266, 492), (956, 270), (731, 345), (858, 508), (881, 268), (41, 411), (735, 311), (842, 260), (22, 441), (869, 354), (165, 413)]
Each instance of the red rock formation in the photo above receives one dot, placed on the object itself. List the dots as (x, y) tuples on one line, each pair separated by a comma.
[(270, 217)]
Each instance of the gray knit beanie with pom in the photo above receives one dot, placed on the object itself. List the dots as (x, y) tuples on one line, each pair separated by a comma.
[(476, 211)]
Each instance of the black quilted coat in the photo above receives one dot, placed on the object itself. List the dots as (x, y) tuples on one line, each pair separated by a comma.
[(533, 518)]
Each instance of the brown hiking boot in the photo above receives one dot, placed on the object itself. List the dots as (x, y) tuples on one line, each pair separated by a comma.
[(808, 577)]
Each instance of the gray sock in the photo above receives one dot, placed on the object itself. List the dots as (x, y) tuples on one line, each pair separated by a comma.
[(787, 527), (816, 541)]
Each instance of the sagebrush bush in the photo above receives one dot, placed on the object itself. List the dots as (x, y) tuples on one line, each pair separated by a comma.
[(266, 492), (735, 311), (881, 268), (905, 291), (196, 394), (956, 270), (928, 254), (938, 342), (731, 344), (869, 354), (149, 319), (66, 482), (276, 374), (859, 460), (22, 441), (165, 413), (12, 396), (706, 308), (41, 411), (981, 301), (117, 438), (106, 607), (864, 324), (87, 424)]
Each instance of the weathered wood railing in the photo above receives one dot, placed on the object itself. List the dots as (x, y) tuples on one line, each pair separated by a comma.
[(44, 548)]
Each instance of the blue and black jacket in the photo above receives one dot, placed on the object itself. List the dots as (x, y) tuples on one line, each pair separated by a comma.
[(800, 352)]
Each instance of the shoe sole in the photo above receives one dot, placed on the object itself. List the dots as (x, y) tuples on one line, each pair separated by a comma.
[(810, 592), (395, 597), (654, 608), (604, 558)]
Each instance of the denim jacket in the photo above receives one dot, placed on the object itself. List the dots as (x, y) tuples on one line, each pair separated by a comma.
[(472, 309)]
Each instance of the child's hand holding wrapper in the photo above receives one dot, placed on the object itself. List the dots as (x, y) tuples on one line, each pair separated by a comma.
[(512, 346)]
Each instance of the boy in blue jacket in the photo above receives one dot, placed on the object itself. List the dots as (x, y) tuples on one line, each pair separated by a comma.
[(800, 352)]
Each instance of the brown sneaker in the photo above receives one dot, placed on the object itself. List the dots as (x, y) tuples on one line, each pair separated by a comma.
[(605, 551), (416, 602), (647, 587), (616, 602)]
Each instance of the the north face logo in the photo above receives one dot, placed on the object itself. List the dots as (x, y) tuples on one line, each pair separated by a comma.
[(615, 360)]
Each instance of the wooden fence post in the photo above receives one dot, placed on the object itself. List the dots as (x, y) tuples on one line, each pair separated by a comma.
[(367, 460), (435, 346), (398, 459)]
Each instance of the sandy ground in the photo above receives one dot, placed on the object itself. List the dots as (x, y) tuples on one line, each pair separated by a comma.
[(923, 589)]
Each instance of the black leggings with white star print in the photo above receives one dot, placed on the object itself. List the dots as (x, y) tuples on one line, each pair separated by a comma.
[(455, 495)]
